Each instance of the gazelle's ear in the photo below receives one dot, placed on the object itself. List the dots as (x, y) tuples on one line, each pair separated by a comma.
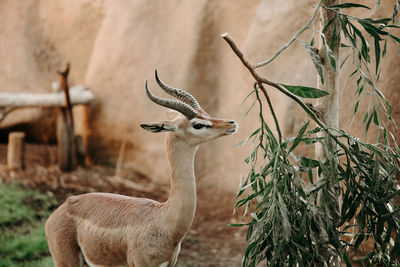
[(159, 127)]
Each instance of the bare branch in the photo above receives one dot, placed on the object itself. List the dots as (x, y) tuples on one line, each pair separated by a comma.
[(265, 62)]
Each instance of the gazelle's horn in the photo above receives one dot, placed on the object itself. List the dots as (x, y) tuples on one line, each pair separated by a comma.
[(181, 107), (181, 95)]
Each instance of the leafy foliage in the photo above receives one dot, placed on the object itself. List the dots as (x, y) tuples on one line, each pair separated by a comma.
[(294, 215)]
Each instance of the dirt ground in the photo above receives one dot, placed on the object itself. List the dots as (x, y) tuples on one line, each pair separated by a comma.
[(210, 242)]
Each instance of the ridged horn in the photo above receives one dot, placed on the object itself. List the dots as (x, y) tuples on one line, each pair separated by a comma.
[(181, 107), (181, 95)]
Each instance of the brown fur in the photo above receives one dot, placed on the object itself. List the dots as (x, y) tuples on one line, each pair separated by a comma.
[(115, 230)]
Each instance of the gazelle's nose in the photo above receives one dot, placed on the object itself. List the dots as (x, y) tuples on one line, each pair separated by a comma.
[(232, 122)]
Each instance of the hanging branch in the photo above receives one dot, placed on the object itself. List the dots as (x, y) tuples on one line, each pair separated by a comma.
[(366, 173), (252, 68)]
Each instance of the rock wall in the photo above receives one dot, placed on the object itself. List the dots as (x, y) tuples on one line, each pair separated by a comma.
[(114, 46)]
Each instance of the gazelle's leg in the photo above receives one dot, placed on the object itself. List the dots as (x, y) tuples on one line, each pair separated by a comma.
[(61, 238)]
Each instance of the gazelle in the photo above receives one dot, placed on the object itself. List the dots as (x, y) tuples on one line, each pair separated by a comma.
[(113, 230)]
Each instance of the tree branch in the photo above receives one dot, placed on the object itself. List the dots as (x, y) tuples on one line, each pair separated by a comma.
[(252, 68), (265, 62)]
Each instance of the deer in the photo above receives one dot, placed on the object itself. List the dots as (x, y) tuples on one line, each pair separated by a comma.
[(105, 229)]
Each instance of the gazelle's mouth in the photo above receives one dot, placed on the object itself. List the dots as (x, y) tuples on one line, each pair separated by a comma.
[(232, 130)]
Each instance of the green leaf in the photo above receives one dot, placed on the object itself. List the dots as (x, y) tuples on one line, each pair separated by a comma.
[(344, 61), (305, 92), (393, 26), (244, 100), (395, 11), (385, 138), (365, 117), (396, 248), (376, 121), (332, 60), (358, 242), (309, 163), (384, 50), (244, 141), (364, 44), (333, 39), (377, 55), (356, 107), (298, 137), (238, 224), (327, 25), (348, 5), (346, 259), (397, 39), (368, 256), (373, 30), (285, 221), (369, 122), (378, 21), (315, 59)]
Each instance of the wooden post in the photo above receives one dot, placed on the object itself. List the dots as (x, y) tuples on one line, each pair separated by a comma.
[(82, 134), (65, 142), (65, 128), (15, 151)]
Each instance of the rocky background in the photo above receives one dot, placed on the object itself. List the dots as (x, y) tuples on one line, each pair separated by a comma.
[(114, 46)]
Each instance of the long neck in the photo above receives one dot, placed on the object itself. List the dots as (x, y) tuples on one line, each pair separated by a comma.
[(181, 204)]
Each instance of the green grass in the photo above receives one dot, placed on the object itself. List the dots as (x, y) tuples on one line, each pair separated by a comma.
[(23, 212)]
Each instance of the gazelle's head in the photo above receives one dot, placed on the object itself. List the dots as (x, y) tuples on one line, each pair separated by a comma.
[(191, 124)]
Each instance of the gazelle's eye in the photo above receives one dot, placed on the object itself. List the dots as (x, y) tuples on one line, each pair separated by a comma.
[(198, 126)]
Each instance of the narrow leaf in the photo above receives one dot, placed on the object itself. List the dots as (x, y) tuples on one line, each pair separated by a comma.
[(378, 21), (395, 11), (356, 107), (346, 259), (377, 55), (359, 239), (285, 220), (373, 30), (309, 163), (298, 137), (364, 44), (397, 39), (384, 50), (244, 141), (315, 59), (376, 121), (306, 92), (344, 61), (369, 122), (327, 25), (333, 39), (348, 5)]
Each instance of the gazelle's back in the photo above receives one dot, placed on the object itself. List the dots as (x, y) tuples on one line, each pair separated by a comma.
[(106, 228)]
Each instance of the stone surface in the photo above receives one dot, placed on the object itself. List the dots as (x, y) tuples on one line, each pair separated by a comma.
[(114, 46)]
